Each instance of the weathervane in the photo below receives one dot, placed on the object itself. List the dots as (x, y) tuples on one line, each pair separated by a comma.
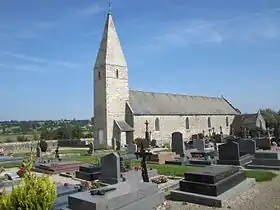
[(110, 5)]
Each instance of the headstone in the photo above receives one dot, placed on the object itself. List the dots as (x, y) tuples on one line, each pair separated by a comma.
[(38, 151), (229, 154), (199, 144), (131, 148), (266, 160), (177, 143), (218, 138), (90, 150), (263, 143), (247, 146), (110, 168), (154, 143), (229, 151)]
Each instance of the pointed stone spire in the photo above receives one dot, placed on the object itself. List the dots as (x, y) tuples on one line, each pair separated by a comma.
[(110, 50)]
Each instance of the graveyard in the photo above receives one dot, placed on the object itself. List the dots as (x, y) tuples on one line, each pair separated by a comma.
[(209, 172)]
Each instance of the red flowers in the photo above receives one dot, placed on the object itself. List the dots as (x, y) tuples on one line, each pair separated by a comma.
[(137, 168), (21, 172)]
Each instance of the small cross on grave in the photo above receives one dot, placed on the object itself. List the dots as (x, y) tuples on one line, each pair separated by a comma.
[(147, 133), (144, 154)]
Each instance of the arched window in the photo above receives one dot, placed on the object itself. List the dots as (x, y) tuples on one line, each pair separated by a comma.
[(227, 121), (99, 75), (209, 122), (187, 123), (157, 124), (117, 73)]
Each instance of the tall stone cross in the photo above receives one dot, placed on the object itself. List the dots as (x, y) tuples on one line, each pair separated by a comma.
[(147, 134), (110, 5)]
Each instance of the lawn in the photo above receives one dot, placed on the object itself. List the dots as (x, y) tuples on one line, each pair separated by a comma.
[(260, 176)]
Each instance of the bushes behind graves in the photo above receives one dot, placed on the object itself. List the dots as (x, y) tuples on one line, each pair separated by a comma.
[(33, 193), (43, 145)]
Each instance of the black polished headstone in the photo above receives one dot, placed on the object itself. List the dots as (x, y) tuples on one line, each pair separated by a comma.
[(213, 189), (211, 174)]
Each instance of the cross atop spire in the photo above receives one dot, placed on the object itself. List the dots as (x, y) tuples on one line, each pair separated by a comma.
[(110, 6)]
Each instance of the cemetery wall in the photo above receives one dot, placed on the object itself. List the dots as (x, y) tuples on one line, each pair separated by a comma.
[(169, 124), (25, 146)]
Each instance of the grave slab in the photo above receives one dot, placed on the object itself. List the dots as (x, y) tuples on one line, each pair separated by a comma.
[(213, 189), (213, 201), (264, 167), (268, 155), (126, 193), (211, 174)]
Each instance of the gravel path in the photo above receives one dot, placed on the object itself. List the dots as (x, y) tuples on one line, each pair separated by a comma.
[(263, 196)]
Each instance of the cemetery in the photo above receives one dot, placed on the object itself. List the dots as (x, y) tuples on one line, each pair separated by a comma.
[(145, 175)]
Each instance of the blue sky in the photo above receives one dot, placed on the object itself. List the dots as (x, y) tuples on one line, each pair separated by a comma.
[(197, 47)]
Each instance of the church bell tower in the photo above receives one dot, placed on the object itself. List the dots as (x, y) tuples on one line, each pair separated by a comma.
[(110, 85)]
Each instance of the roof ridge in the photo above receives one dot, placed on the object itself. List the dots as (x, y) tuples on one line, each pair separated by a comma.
[(177, 94)]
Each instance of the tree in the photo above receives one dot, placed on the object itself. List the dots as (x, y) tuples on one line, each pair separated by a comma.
[(271, 117), (21, 138), (77, 132), (43, 145)]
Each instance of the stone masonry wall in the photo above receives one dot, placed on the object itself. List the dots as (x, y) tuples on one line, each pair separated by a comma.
[(25, 146), (170, 124)]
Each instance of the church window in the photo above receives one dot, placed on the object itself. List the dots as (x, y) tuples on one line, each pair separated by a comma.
[(99, 75), (227, 121), (157, 124), (209, 122), (187, 123), (117, 73)]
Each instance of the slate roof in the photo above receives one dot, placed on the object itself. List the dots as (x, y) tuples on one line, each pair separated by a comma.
[(244, 119), (124, 127), (149, 103)]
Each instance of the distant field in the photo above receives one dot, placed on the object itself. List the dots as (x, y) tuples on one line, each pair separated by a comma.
[(12, 137)]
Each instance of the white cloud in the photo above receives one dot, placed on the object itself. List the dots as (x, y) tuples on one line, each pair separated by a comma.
[(38, 59), (90, 10), (26, 68), (250, 27)]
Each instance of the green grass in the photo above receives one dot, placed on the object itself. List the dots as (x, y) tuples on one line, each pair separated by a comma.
[(172, 170), (260, 176), (11, 165)]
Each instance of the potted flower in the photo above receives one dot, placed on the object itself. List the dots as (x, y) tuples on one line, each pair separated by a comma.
[(21, 172)]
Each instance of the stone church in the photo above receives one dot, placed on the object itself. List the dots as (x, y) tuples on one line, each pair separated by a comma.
[(120, 113)]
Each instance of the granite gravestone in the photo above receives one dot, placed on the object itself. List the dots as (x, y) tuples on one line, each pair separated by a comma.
[(177, 144), (263, 143), (38, 151), (131, 148), (229, 154), (247, 146), (154, 143), (110, 169), (199, 144), (89, 172), (266, 160), (212, 185)]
